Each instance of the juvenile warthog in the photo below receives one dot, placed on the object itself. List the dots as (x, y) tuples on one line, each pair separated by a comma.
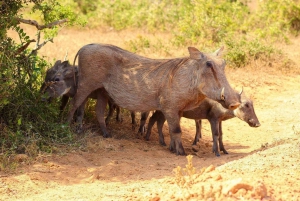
[(60, 81), (142, 84), (215, 113)]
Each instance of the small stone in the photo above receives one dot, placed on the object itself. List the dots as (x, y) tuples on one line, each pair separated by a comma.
[(155, 199), (235, 185), (260, 190)]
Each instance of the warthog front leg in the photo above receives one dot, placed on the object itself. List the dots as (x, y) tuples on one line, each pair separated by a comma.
[(118, 116), (142, 128), (173, 119), (215, 135), (198, 131), (111, 109), (133, 121), (79, 116), (222, 148), (158, 117), (78, 100), (100, 110)]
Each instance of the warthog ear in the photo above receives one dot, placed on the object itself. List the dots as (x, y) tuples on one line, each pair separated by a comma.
[(219, 51), (69, 72), (65, 64), (56, 65), (195, 53)]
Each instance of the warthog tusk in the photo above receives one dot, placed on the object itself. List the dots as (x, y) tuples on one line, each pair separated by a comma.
[(241, 91), (222, 94), (66, 91)]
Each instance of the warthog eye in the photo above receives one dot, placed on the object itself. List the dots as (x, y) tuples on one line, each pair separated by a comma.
[(56, 79), (209, 64), (247, 105)]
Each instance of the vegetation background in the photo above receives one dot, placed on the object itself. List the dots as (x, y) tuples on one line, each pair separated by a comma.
[(28, 125)]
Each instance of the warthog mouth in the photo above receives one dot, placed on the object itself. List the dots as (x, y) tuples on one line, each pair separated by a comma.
[(45, 99), (46, 85), (252, 123)]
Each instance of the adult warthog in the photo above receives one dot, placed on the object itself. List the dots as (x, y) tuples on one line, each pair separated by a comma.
[(142, 84), (60, 81)]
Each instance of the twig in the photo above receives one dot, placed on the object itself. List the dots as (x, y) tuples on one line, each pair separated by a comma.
[(24, 47), (39, 46), (65, 59), (41, 27)]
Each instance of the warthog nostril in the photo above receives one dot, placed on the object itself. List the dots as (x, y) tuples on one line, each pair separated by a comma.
[(257, 125), (233, 106)]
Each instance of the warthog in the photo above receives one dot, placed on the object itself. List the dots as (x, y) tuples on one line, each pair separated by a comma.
[(215, 113), (142, 84), (60, 81)]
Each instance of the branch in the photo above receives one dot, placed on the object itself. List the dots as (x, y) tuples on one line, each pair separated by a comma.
[(41, 27), (24, 47), (39, 46)]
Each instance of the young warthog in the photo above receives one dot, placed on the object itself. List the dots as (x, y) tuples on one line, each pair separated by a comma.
[(60, 81), (215, 113), (142, 84)]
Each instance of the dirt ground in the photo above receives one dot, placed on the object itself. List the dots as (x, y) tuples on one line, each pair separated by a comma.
[(262, 164)]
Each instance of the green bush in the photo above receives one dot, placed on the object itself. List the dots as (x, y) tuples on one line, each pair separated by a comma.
[(276, 18), (206, 23), (25, 120)]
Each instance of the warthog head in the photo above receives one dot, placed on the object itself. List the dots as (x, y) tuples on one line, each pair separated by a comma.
[(60, 80), (246, 112), (228, 97)]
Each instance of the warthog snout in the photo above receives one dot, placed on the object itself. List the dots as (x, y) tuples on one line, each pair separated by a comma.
[(253, 123)]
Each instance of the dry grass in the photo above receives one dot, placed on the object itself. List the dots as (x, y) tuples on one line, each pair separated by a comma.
[(71, 40)]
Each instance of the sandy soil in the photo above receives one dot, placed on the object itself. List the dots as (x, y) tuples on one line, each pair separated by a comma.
[(262, 164)]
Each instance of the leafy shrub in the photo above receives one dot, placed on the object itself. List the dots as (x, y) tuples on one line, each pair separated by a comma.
[(243, 51), (26, 122), (206, 24), (211, 21), (276, 18)]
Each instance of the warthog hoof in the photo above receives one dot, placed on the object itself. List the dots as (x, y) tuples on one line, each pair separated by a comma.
[(119, 119), (79, 129), (224, 151), (107, 135), (163, 143), (176, 147), (133, 126), (142, 130)]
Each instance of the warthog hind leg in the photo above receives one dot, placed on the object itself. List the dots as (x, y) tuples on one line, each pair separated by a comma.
[(100, 110)]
